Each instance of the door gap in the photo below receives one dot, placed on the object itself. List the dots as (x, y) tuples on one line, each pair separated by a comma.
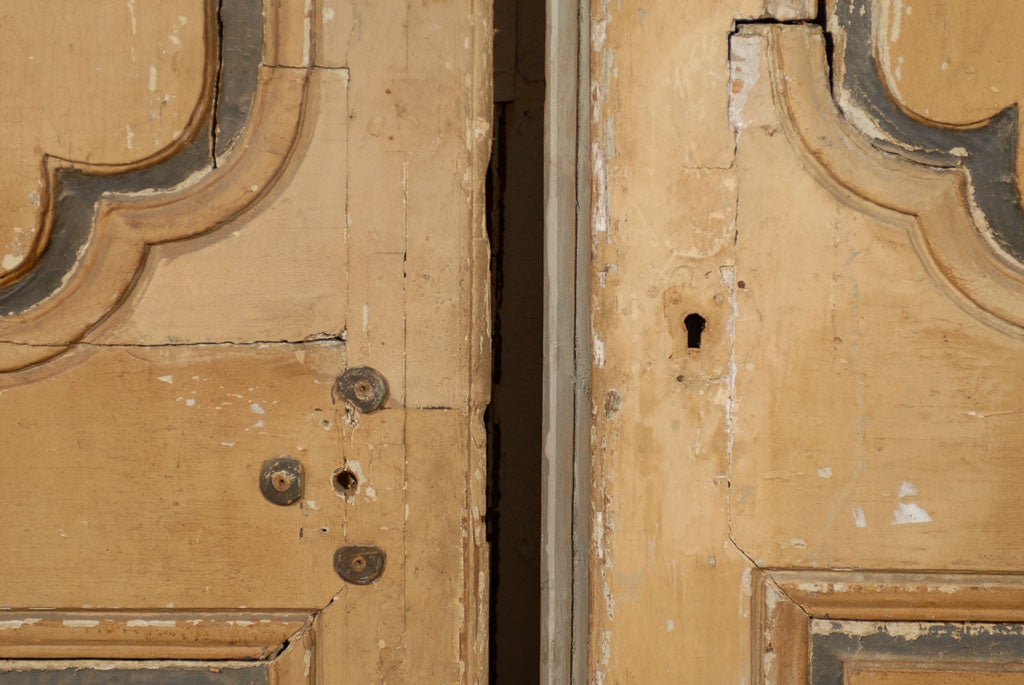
[(515, 221)]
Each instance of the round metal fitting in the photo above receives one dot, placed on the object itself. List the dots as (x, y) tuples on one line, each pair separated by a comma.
[(359, 564), (281, 480), (364, 387)]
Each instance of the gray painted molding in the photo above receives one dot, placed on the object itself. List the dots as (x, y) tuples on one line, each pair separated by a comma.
[(988, 152), (565, 478)]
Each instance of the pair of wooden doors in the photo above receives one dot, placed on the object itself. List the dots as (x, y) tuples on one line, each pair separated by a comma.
[(245, 341), (818, 479), (244, 363)]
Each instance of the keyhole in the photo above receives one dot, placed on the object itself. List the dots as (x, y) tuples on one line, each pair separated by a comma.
[(695, 324)]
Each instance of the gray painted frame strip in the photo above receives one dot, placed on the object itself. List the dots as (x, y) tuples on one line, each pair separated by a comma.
[(565, 480), (581, 453)]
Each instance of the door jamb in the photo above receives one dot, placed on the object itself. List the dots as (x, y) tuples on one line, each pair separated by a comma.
[(565, 477)]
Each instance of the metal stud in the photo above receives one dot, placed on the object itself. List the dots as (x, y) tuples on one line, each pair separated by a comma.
[(359, 564), (281, 480), (364, 387)]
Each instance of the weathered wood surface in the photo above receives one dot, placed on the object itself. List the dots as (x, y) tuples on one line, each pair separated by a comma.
[(345, 229), (855, 400)]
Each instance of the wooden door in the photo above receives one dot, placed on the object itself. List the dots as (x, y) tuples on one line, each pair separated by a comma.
[(245, 345), (808, 313)]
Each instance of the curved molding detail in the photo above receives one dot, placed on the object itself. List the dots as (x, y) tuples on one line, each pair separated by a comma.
[(936, 198), (986, 150), (103, 221)]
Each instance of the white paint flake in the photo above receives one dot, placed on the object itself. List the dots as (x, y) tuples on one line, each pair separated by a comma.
[(72, 623), (598, 352), (859, 519), (10, 261), (132, 18), (907, 489), (190, 402), (909, 512), (14, 625), (670, 625), (152, 78), (166, 379), (255, 408), (140, 623), (825, 472)]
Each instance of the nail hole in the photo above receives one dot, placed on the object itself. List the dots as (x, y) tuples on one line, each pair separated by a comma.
[(363, 390), (345, 482), (281, 481), (695, 324)]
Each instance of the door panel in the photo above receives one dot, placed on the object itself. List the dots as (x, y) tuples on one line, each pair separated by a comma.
[(820, 483), (233, 203)]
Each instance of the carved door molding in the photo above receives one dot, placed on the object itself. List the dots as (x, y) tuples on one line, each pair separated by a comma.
[(99, 221), (961, 207), (952, 188)]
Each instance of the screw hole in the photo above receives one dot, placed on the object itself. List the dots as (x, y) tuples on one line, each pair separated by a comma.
[(281, 481), (695, 324), (345, 482), (363, 390)]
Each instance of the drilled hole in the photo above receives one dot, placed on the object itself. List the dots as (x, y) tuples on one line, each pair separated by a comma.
[(363, 390), (695, 324), (345, 482), (282, 481)]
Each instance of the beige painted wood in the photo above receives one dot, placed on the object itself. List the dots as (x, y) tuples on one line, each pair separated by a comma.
[(854, 403), (201, 332)]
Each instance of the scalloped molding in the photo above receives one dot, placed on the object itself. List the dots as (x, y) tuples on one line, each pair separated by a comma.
[(125, 226), (932, 201)]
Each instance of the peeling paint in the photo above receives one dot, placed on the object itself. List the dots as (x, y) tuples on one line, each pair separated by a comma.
[(744, 67), (907, 489), (860, 520), (154, 623), (909, 512), (16, 624)]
